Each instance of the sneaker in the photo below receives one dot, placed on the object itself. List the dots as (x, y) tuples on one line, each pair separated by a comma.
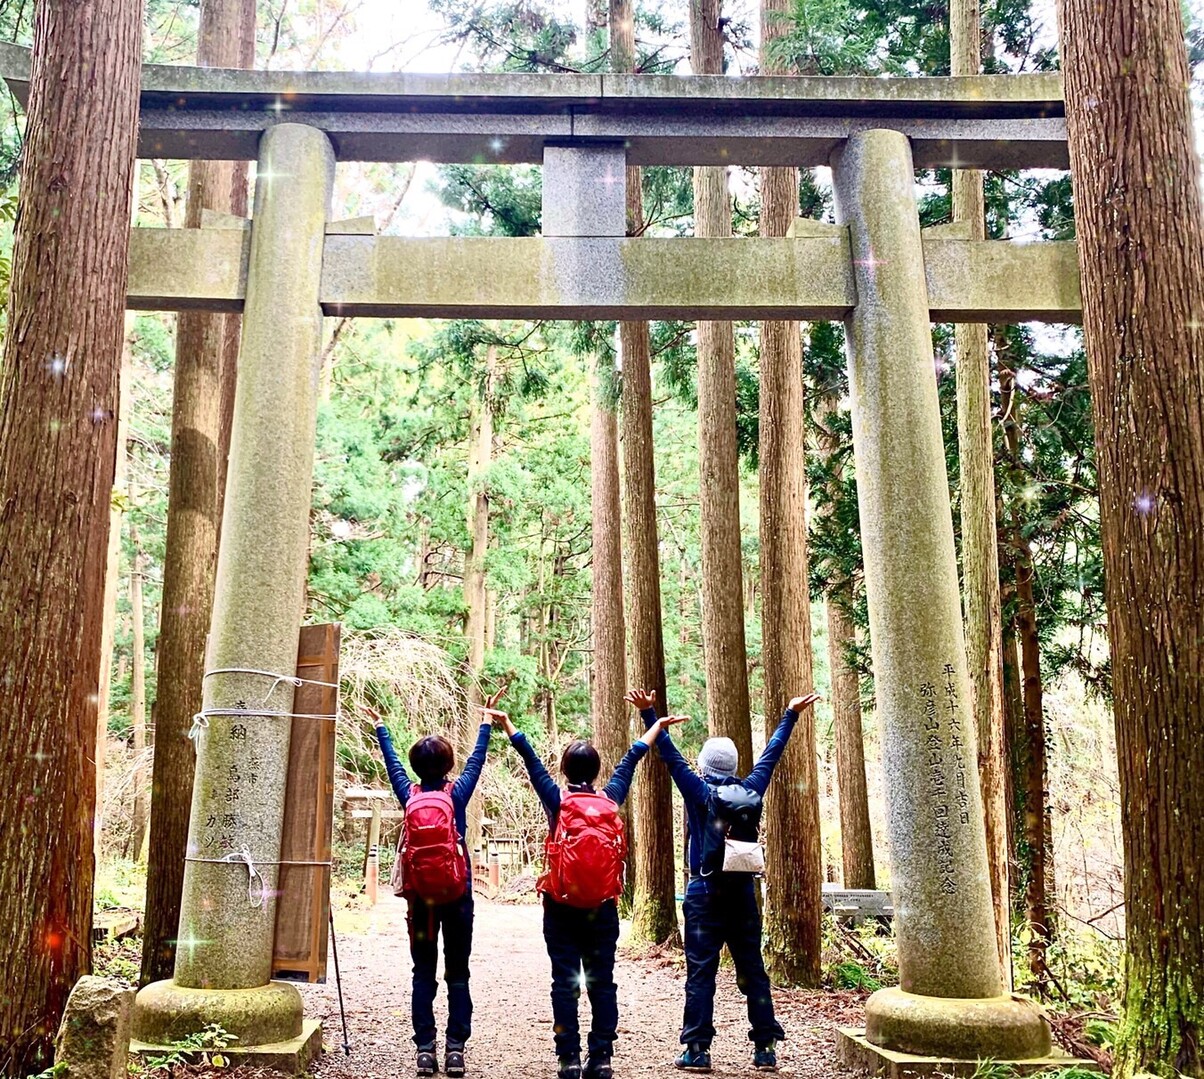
[(568, 1067), (694, 1058), (597, 1067), (765, 1059), (428, 1063), (454, 1061)]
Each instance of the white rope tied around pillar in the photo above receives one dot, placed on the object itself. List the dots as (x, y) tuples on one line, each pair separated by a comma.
[(253, 875), (243, 857), (200, 721), (290, 678)]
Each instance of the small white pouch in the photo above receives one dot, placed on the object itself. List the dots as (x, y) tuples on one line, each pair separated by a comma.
[(740, 856)]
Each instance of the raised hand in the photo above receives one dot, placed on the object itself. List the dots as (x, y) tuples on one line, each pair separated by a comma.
[(797, 704), (641, 698), (654, 730), (491, 702), (499, 719)]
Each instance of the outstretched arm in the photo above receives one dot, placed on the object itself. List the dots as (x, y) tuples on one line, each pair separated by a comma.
[(692, 786), (620, 783), (464, 786), (758, 779), (399, 779), (545, 786)]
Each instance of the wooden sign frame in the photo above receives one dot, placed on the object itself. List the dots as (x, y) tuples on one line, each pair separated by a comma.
[(303, 906)]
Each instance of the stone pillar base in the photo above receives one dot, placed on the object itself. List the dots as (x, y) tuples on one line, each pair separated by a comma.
[(859, 1056), (998, 1028), (291, 1057), (265, 1016)]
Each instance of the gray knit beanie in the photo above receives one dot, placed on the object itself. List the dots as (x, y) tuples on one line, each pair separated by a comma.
[(718, 758)]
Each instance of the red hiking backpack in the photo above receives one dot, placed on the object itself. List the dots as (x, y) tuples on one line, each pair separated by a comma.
[(431, 853), (586, 852)]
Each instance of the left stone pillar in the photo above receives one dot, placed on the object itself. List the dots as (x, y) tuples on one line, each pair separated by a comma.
[(228, 913)]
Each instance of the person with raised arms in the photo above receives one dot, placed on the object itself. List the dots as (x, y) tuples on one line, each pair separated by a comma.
[(583, 879), (725, 858)]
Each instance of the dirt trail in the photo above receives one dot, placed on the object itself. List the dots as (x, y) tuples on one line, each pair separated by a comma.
[(512, 1018)]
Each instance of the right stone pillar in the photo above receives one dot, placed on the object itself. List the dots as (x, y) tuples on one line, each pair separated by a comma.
[(950, 1002)]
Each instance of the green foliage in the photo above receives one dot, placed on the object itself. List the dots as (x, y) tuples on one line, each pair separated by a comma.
[(207, 1045), (828, 37), (1101, 1032), (851, 975), (993, 1069)]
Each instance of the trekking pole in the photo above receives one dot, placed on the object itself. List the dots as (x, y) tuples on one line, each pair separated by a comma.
[(338, 981)]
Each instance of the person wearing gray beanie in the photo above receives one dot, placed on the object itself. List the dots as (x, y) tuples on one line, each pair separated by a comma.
[(721, 907), (718, 758)]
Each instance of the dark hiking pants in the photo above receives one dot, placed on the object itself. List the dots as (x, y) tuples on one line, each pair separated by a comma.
[(581, 945), (425, 922), (723, 910)]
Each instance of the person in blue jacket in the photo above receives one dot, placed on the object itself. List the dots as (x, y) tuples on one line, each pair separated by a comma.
[(721, 908), (581, 942), (432, 758)]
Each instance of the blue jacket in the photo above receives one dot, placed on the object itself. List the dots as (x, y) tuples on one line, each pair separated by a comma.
[(462, 788), (549, 790), (696, 789)]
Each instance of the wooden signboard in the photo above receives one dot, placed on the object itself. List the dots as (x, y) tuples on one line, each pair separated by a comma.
[(303, 906)]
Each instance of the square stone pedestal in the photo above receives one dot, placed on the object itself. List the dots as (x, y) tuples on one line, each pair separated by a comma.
[(860, 1056), (289, 1058)]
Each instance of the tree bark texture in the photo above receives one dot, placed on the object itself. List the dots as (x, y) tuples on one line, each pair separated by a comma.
[(609, 682), (108, 629), (654, 909), (138, 697), (1141, 249), (724, 652), (980, 556), (856, 839), (1028, 748), (202, 409), (58, 440), (480, 456), (794, 847)]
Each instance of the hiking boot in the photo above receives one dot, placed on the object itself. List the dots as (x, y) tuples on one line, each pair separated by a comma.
[(568, 1067), (694, 1058), (597, 1067), (765, 1059), (454, 1061), (428, 1063)]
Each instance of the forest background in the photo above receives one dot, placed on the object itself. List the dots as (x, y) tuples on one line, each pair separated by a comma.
[(403, 470)]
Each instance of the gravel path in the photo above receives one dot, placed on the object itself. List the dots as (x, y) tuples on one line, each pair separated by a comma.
[(512, 1013)]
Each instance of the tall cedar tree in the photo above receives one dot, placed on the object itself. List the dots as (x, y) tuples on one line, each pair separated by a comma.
[(202, 410), (724, 652), (58, 439), (1141, 249), (476, 595), (1027, 741), (654, 912), (794, 870), (980, 556), (856, 838), (609, 683), (610, 714)]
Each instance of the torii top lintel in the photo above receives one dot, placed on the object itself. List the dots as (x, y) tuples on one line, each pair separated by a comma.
[(990, 121)]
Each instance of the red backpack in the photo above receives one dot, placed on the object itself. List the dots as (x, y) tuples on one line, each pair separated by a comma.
[(432, 851), (586, 852)]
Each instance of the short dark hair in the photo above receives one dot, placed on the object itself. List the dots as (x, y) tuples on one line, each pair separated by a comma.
[(432, 758), (580, 762)]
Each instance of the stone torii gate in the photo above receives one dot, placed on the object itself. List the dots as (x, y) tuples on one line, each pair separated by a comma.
[(877, 271)]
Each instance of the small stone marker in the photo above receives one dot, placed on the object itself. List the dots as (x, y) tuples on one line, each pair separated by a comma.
[(94, 1038)]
